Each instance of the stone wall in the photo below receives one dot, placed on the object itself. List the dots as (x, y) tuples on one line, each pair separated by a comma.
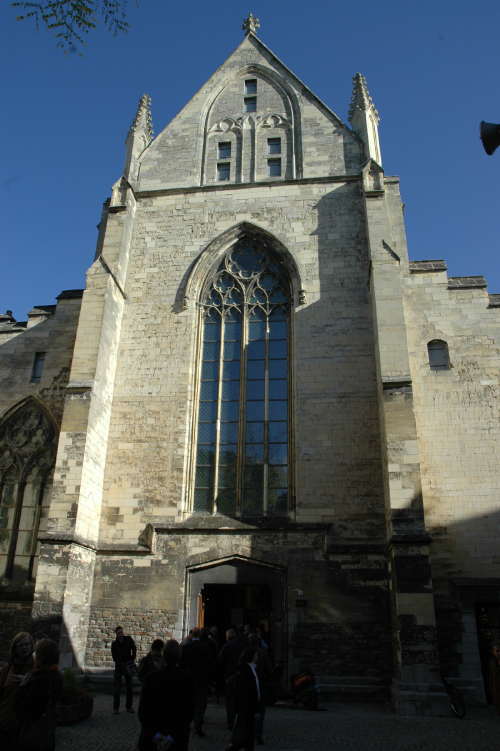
[(142, 625), (53, 334), (457, 411), (50, 329), (14, 617), (322, 145), (337, 448)]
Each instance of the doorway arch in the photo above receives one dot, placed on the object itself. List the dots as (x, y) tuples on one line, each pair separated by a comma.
[(236, 591)]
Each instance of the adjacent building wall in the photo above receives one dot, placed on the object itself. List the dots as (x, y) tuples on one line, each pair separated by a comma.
[(457, 411)]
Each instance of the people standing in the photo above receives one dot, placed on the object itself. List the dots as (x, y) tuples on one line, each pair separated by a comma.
[(123, 652), (197, 660), (228, 661), (264, 669), (167, 702), (248, 697), (152, 661), (494, 674), (36, 700), (20, 663)]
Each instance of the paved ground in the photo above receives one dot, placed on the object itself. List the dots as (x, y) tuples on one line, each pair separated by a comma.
[(339, 728)]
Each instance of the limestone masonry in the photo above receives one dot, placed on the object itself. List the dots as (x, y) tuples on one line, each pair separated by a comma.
[(259, 410)]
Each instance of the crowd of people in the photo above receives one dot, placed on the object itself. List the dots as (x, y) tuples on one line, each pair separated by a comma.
[(176, 682), (30, 687), (178, 678)]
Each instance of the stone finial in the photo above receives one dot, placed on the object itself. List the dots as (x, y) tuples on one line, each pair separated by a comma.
[(251, 24), (143, 121), (361, 99)]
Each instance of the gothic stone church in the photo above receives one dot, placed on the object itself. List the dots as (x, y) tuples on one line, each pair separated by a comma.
[(259, 410)]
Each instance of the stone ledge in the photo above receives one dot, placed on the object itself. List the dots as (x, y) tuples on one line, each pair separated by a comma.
[(494, 300), (419, 267), (70, 294), (152, 192), (214, 524), (467, 282)]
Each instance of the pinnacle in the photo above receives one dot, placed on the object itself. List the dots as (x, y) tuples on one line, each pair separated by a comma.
[(143, 121), (361, 99)]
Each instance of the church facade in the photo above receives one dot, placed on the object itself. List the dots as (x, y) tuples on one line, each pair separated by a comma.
[(259, 410)]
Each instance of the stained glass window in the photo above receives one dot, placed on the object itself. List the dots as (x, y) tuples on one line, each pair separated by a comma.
[(27, 451), (242, 457)]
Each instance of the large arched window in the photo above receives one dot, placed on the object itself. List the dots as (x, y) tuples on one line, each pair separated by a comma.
[(27, 451), (242, 437)]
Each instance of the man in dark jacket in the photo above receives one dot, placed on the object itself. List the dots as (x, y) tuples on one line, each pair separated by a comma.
[(123, 651), (248, 700), (228, 660), (197, 660), (166, 704)]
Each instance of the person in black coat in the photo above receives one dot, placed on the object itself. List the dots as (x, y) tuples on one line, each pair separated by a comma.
[(197, 659), (36, 700), (228, 661), (152, 661), (247, 701), (123, 652), (166, 703)]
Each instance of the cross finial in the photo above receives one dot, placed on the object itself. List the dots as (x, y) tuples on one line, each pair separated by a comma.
[(251, 24)]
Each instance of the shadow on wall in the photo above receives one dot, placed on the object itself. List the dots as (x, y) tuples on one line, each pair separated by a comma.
[(19, 380)]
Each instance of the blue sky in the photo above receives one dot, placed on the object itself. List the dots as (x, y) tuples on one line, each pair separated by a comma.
[(433, 69)]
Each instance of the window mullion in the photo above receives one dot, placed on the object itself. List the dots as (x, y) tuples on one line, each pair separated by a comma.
[(266, 420), (240, 455), (218, 414), (11, 555), (36, 526)]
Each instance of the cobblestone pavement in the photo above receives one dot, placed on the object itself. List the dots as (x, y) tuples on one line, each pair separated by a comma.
[(338, 728)]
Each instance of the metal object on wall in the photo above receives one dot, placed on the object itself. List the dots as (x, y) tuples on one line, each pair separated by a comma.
[(490, 136)]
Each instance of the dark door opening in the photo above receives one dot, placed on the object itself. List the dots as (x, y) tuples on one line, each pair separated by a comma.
[(488, 633), (238, 592), (226, 605)]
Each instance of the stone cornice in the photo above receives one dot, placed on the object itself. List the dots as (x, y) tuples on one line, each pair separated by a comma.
[(245, 186)]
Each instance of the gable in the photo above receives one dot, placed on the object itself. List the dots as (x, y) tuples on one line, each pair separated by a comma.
[(313, 142)]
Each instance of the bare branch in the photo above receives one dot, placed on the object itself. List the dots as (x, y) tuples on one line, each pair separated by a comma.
[(71, 20)]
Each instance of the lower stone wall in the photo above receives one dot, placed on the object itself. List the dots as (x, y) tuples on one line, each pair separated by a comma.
[(142, 625), (14, 617), (344, 649)]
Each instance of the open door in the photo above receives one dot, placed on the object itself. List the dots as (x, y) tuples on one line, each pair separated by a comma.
[(237, 592), (200, 603)]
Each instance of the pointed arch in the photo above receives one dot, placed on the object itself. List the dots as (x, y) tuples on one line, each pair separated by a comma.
[(36, 404), (291, 105), (210, 257), (28, 443), (241, 451)]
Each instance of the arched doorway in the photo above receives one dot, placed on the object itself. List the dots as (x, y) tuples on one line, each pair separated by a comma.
[(237, 591)]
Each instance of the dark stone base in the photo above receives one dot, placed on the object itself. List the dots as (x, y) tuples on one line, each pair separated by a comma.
[(14, 617), (143, 626)]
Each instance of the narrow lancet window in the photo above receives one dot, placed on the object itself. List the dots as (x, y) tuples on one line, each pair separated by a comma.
[(242, 455)]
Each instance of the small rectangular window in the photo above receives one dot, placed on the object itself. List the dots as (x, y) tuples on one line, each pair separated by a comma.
[(37, 370), (225, 150), (439, 358), (274, 167), (251, 86), (250, 104), (223, 171), (274, 145)]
